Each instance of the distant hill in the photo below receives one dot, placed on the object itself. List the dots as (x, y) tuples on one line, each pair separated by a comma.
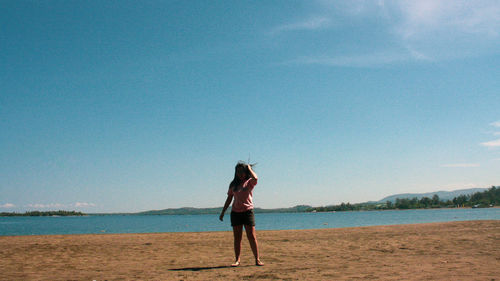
[(443, 195), (295, 209), (182, 211), (217, 210)]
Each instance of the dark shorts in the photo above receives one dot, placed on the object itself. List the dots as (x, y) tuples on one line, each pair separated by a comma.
[(244, 218)]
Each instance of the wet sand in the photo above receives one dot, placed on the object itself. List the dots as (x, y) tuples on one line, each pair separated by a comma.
[(437, 251)]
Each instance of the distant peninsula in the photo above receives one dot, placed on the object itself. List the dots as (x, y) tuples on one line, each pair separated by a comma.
[(43, 214)]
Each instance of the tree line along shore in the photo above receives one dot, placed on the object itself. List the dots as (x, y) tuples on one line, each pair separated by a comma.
[(59, 213), (485, 199)]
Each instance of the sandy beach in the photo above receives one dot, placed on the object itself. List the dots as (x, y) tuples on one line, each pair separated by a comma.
[(437, 251)]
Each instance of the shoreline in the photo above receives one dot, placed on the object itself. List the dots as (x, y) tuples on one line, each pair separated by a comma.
[(15, 226), (465, 250), (13, 214), (229, 230)]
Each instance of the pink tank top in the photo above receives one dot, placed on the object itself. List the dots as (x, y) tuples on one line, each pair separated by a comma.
[(242, 201)]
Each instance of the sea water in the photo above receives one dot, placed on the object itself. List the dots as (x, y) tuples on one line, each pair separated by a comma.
[(199, 223)]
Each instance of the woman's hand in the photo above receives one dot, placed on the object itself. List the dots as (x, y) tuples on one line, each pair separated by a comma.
[(251, 172), (221, 217)]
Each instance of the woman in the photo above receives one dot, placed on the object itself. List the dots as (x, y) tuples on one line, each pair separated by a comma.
[(241, 189)]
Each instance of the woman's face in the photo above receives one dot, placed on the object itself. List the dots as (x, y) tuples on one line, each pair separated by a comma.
[(241, 173)]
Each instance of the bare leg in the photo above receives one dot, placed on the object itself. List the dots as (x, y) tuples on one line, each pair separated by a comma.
[(252, 238), (238, 234)]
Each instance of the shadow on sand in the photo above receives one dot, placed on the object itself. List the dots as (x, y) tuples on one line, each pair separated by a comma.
[(200, 268)]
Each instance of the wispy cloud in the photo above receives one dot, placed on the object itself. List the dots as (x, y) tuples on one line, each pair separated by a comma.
[(422, 17), (491, 144), (84, 204), (419, 31), (59, 205), (444, 30), (309, 24), (7, 205), (460, 165), (364, 60)]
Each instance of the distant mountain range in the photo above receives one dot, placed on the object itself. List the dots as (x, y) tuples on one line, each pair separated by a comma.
[(217, 210), (443, 195)]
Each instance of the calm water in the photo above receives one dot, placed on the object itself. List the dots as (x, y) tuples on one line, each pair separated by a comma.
[(196, 223)]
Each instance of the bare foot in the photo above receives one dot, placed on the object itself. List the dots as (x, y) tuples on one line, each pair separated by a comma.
[(259, 263), (235, 264)]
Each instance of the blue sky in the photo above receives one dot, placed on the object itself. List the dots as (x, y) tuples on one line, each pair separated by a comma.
[(117, 106)]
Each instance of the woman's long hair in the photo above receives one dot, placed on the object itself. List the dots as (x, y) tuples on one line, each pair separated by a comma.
[(236, 180)]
